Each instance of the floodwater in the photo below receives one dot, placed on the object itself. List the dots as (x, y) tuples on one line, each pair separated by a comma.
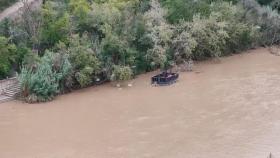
[(229, 109)]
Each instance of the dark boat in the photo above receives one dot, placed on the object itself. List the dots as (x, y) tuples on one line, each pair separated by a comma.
[(165, 78)]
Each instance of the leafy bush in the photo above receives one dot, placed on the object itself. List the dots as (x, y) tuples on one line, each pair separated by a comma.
[(121, 73), (215, 36), (114, 50), (265, 18), (5, 26), (42, 83), (30, 60), (210, 35), (84, 76), (83, 59), (182, 9), (8, 56), (183, 44), (241, 35), (159, 31)]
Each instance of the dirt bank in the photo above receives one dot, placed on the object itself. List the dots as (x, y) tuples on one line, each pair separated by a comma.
[(229, 110), (14, 10)]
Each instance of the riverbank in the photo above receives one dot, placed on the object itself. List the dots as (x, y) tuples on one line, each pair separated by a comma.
[(6, 3), (14, 10), (230, 109)]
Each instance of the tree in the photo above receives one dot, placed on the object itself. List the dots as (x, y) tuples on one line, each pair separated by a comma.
[(55, 26), (8, 56), (268, 21), (31, 23), (183, 44), (84, 60), (186, 9), (210, 35), (80, 10), (160, 32), (5, 28)]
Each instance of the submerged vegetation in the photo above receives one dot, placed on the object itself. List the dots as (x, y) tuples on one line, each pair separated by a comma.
[(76, 43)]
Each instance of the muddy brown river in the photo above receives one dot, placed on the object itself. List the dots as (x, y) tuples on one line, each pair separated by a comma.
[(230, 109)]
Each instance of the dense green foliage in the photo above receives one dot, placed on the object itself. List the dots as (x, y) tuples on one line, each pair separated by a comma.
[(84, 61), (11, 56), (77, 43), (42, 82), (7, 53), (121, 73)]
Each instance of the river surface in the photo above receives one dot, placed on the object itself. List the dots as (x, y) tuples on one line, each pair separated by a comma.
[(229, 109)]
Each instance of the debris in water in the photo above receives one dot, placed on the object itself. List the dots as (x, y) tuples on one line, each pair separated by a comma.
[(270, 156), (118, 85)]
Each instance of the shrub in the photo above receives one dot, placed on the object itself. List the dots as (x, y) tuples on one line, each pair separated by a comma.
[(264, 17), (115, 50), (42, 83), (160, 32), (84, 76), (8, 57), (121, 73), (84, 60), (5, 26), (183, 44), (62, 65), (216, 35), (210, 35), (30, 60), (185, 10), (241, 34), (11, 57), (99, 16)]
